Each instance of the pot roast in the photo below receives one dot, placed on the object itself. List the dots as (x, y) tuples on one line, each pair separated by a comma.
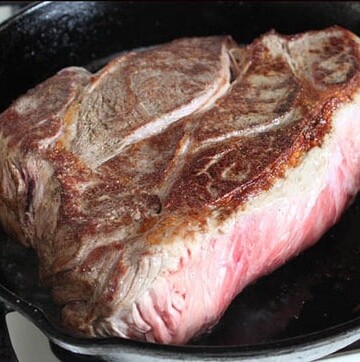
[(156, 189)]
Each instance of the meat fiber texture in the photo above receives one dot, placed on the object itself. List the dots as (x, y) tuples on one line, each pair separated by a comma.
[(155, 190)]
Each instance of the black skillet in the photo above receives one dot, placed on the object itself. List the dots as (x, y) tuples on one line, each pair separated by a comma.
[(308, 308)]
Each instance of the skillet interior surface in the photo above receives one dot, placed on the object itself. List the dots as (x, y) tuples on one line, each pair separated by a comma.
[(312, 303)]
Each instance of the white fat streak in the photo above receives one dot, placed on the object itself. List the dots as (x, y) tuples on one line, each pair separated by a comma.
[(222, 86), (47, 142), (174, 174), (110, 68), (253, 130), (214, 159)]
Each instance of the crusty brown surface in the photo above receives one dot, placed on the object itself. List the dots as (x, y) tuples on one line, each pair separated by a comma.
[(295, 107), (74, 121), (139, 87), (117, 185), (278, 108)]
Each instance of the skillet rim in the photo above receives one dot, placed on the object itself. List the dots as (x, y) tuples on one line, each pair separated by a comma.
[(348, 331)]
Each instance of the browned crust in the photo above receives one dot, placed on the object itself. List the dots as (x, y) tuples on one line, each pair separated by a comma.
[(151, 208), (188, 201), (290, 144)]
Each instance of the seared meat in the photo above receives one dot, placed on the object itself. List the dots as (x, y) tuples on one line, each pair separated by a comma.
[(155, 190)]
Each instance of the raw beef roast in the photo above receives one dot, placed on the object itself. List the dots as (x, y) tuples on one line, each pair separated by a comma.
[(155, 190)]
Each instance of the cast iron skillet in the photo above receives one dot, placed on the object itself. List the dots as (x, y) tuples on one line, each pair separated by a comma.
[(305, 310)]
